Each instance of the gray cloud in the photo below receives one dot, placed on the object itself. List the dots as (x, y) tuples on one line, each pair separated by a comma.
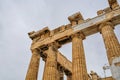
[(18, 17)]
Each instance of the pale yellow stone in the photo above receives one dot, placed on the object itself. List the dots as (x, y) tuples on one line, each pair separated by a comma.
[(79, 70), (111, 42), (32, 73)]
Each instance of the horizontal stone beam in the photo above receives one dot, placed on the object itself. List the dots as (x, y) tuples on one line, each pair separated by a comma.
[(64, 62), (88, 27)]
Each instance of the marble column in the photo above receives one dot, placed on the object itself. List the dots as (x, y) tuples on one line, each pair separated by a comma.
[(50, 72), (33, 69), (79, 70), (110, 41)]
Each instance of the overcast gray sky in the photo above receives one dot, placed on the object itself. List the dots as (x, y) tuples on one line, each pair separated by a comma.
[(18, 17)]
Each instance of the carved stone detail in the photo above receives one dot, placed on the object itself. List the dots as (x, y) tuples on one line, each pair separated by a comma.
[(79, 70), (113, 4), (110, 40), (50, 72), (48, 41), (33, 66), (60, 73)]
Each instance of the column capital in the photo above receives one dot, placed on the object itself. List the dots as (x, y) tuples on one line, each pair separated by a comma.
[(60, 68), (50, 72), (35, 51), (54, 44), (79, 35), (68, 74), (105, 24), (110, 40), (44, 59)]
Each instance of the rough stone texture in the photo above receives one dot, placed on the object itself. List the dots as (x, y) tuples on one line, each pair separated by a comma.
[(62, 35), (113, 4), (110, 40), (34, 66), (69, 77), (60, 75), (79, 71), (74, 23), (88, 27), (51, 64), (62, 60)]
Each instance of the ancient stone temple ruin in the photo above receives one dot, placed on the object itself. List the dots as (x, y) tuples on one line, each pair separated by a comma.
[(45, 45)]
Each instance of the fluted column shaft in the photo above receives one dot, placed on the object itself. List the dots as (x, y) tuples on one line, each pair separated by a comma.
[(110, 40), (79, 70), (32, 73), (51, 64)]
